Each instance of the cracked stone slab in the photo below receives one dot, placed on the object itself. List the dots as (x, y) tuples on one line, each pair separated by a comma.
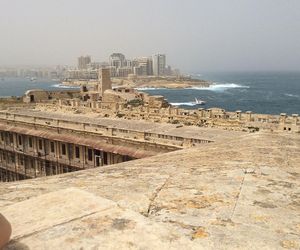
[(51, 209), (76, 219)]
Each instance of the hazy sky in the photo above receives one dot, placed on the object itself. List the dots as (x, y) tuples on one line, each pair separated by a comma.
[(196, 35)]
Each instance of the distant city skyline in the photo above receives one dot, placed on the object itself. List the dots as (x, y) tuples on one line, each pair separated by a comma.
[(196, 35), (87, 69)]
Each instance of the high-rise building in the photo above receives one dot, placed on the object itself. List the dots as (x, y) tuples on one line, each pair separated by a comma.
[(117, 60), (83, 62), (97, 65), (159, 64), (82, 74), (113, 71), (124, 71), (143, 66), (128, 63), (140, 70)]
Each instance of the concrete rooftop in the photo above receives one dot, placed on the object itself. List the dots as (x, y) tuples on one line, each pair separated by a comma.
[(137, 125), (241, 193)]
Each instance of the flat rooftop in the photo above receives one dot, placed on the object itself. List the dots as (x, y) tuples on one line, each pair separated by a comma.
[(242, 193), (137, 125)]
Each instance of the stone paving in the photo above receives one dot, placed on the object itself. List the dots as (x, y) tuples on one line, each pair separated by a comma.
[(240, 193)]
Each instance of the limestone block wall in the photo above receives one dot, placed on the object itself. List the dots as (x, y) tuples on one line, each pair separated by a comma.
[(44, 95)]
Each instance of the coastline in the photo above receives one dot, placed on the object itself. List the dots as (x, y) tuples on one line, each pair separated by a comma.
[(262, 93), (161, 82)]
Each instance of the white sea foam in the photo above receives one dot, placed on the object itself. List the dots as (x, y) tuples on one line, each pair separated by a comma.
[(291, 95), (183, 103), (61, 86), (197, 75), (213, 87), (221, 87), (148, 88)]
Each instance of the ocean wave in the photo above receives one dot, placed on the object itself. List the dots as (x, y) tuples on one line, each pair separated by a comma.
[(291, 95), (221, 87), (62, 86), (148, 88), (217, 87), (183, 103), (196, 75)]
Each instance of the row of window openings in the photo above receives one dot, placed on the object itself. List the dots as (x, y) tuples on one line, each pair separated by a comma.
[(11, 140), (77, 152), (64, 150), (20, 139), (11, 158), (52, 146)]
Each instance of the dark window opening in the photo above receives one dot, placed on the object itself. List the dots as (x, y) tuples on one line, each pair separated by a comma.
[(20, 139), (2, 137), (30, 142), (40, 144), (90, 154), (31, 98), (127, 158), (77, 152), (63, 149), (52, 147), (105, 158), (97, 161)]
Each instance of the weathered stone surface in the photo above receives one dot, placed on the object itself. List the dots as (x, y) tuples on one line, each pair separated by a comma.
[(75, 219), (236, 194), (51, 209)]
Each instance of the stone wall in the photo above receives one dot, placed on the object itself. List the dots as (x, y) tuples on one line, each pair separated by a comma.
[(214, 117), (38, 95)]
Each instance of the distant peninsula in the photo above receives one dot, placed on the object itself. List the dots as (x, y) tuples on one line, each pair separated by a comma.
[(168, 82)]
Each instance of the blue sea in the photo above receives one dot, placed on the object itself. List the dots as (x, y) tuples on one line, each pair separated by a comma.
[(260, 92)]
